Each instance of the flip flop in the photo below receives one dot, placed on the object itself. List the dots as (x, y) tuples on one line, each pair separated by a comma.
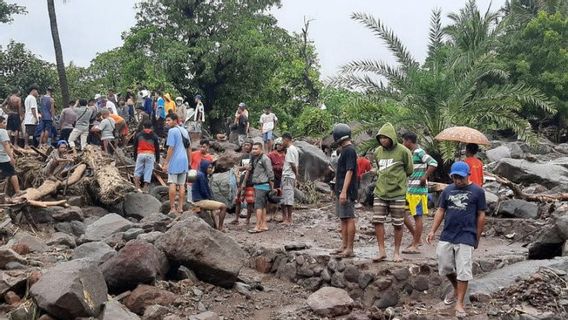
[(254, 231), (408, 251), (461, 314), (449, 298), (351, 255), (234, 222), (379, 259)]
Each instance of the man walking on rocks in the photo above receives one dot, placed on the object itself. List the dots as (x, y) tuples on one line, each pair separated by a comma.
[(289, 177), (177, 162), (417, 194), (263, 181), (462, 207), (394, 166), (346, 188)]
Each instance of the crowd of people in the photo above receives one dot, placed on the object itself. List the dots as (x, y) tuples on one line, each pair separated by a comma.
[(267, 173)]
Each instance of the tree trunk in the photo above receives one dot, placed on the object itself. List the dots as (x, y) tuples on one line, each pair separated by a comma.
[(58, 53)]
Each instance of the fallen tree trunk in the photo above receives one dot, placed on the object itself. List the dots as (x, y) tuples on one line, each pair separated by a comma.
[(51, 186), (110, 185), (518, 192)]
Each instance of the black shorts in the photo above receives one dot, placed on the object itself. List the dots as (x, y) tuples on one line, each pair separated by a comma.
[(14, 122), (30, 129), (7, 169), (345, 211)]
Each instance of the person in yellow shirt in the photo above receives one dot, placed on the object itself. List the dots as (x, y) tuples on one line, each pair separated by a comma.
[(170, 103)]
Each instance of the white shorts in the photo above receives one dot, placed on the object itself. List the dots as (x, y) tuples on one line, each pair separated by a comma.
[(288, 185), (455, 259), (178, 179)]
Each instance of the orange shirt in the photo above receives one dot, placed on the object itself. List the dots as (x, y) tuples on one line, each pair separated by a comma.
[(476, 170), (116, 118), (196, 158)]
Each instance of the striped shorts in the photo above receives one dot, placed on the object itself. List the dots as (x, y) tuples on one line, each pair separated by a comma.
[(382, 208)]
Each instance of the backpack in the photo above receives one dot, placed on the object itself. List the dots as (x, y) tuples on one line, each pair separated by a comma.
[(186, 142)]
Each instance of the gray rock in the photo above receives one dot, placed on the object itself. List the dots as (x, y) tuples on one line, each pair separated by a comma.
[(35, 244), (352, 273), (95, 212), (498, 153), (150, 237), (185, 273), (516, 208), (144, 296), (8, 255), (114, 310), (14, 266), (323, 187), (63, 239), (98, 252), (337, 280), (140, 205), (505, 277), (330, 302), (68, 214), (132, 234), (491, 200), (314, 164), (420, 283), (11, 279), (138, 262), (156, 222), (70, 290), (75, 228), (311, 284), (547, 244), (325, 276), (155, 312), (389, 298), (365, 279), (75, 201), (401, 274), (208, 315), (106, 226), (521, 171), (214, 257), (287, 272)]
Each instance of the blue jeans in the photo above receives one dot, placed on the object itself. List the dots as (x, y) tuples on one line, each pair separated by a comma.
[(267, 136), (145, 166)]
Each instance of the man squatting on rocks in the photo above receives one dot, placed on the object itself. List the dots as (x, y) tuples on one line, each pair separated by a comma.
[(462, 208), (345, 188)]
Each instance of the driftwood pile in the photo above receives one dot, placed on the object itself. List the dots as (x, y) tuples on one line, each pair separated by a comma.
[(94, 175)]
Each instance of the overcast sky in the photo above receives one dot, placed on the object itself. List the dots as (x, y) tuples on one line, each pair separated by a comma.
[(90, 26)]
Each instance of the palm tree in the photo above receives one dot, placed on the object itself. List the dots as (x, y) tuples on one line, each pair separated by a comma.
[(58, 53), (459, 84)]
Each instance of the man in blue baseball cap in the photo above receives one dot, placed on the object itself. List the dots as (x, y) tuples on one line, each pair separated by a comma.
[(462, 208)]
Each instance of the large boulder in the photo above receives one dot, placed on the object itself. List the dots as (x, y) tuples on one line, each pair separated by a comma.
[(492, 200), (498, 153), (114, 310), (145, 295), (366, 187), (314, 164), (97, 252), (330, 302), (140, 205), (138, 262), (227, 160), (516, 208), (214, 256), (106, 226), (548, 243), (71, 290), (522, 171)]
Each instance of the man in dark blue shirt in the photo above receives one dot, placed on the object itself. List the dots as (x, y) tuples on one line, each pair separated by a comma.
[(462, 207)]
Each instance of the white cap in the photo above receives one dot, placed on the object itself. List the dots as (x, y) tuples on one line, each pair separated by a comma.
[(179, 99), (97, 96)]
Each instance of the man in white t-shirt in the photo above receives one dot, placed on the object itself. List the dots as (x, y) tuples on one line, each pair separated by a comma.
[(109, 105), (289, 176), (268, 123), (31, 116)]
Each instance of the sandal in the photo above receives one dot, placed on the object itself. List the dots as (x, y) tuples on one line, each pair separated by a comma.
[(450, 298), (379, 259)]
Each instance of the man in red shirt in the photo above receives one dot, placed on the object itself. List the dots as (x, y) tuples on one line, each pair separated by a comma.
[(363, 165), (203, 154), (475, 165)]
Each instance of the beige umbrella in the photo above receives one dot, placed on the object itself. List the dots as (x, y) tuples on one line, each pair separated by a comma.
[(463, 134)]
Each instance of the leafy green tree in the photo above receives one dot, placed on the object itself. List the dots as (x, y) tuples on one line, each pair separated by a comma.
[(313, 122), (537, 54), (461, 83), (20, 68), (228, 51), (7, 10)]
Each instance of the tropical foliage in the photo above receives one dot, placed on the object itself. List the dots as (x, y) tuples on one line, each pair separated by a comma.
[(461, 82)]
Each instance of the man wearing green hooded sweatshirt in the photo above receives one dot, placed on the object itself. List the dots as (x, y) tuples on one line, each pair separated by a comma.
[(394, 163)]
